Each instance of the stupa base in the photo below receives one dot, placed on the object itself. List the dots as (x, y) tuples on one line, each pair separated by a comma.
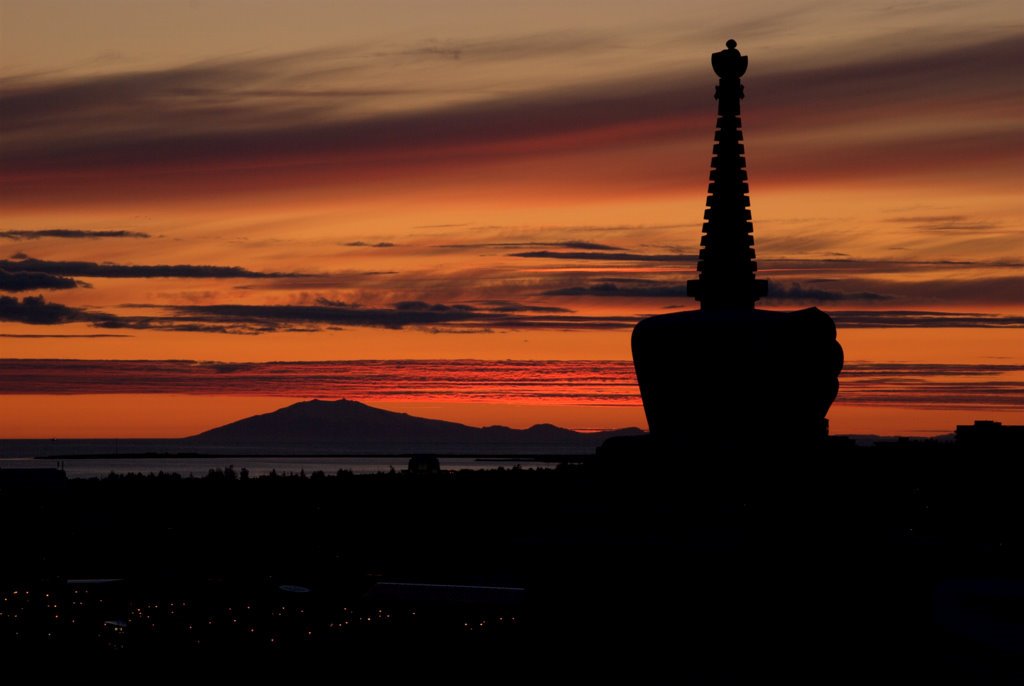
[(737, 378)]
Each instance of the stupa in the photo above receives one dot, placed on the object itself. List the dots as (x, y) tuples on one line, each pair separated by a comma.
[(729, 374)]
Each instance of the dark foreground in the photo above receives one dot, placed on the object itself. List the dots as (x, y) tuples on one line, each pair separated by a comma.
[(903, 562)]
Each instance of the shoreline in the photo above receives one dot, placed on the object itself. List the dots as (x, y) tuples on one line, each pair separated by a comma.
[(510, 457)]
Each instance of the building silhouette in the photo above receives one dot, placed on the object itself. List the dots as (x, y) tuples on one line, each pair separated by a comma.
[(990, 436), (731, 375)]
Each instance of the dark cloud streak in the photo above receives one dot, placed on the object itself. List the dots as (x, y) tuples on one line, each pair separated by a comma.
[(660, 289), (19, 235), (65, 335), (483, 316), (231, 133), (324, 314), (572, 245), (950, 222), (604, 382), (831, 264), (609, 256), (402, 315), (15, 282), (797, 293), (123, 271), (35, 310), (886, 319)]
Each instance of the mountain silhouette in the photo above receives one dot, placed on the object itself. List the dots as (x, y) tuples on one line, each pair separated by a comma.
[(349, 425)]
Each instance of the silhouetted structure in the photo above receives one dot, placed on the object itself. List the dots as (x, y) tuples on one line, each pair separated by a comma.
[(990, 436), (730, 374), (726, 265), (424, 464)]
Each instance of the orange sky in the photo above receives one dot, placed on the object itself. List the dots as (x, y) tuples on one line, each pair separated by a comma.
[(453, 180)]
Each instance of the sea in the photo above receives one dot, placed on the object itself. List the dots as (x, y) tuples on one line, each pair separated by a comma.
[(97, 458)]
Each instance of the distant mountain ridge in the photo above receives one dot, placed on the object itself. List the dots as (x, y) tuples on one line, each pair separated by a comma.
[(351, 425)]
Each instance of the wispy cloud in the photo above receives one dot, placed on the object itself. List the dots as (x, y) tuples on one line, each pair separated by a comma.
[(203, 125), (572, 245), (898, 293), (324, 313), (327, 313), (605, 256), (829, 264), (65, 335), (484, 316), (27, 235), (522, 47), (796, 292), (947, 222), (609, 289), (990, 290), (35, 310), (895, 319), (127, 271), (583, 382), (933, 385), (14, 282), (655, 289)]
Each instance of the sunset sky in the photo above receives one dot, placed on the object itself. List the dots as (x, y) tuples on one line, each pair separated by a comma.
[(213, 208)]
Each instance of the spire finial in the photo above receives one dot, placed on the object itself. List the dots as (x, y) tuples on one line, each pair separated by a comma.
[(729, 63)]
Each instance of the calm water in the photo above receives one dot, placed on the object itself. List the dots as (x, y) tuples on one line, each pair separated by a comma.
[(155, 455), (86, 468)]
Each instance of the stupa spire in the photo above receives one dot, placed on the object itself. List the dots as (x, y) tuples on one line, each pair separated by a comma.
[(726, 264)]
